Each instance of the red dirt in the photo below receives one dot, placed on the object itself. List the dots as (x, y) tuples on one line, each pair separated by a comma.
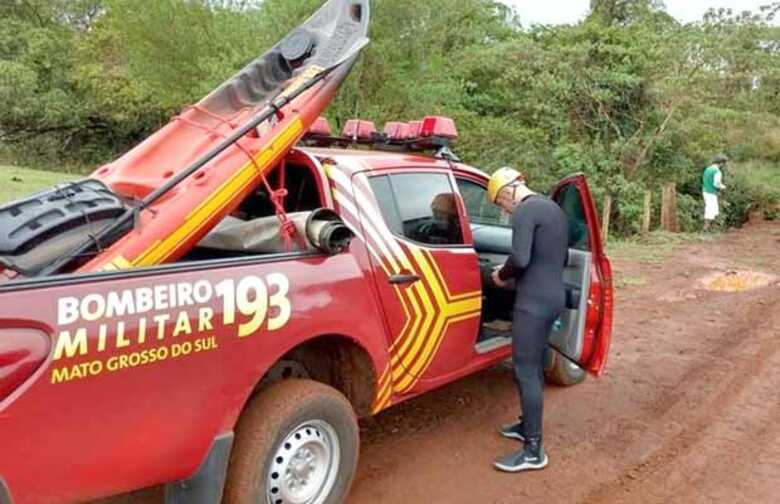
[(687, 411)]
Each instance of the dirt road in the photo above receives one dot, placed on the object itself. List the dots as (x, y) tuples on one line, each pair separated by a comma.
[(687, 412)]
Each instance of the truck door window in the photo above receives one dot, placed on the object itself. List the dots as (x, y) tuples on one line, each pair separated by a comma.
[(570, 201), (420, 206), (478, 208)]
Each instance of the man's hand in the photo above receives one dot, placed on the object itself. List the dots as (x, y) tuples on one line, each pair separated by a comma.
[(497, 279)]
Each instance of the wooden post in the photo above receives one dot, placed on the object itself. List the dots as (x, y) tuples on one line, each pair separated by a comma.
[(605, 219), (674, 223), (648, 213), (669, 221), (664, 209)]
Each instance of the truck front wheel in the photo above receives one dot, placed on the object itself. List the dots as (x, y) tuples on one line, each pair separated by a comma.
[(296, 442)]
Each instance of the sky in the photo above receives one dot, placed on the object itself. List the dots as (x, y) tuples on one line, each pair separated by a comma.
[(571, 11)]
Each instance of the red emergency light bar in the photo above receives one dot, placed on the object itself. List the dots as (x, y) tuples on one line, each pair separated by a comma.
[(431, 133), (414, 130), (319, 133), (357, 129), (321, 127), (397, 131), (442, 127)]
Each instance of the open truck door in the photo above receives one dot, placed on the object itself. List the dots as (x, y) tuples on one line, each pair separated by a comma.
[(583, 332)]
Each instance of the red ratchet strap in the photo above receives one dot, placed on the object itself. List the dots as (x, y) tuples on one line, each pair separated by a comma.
[(287, 227)]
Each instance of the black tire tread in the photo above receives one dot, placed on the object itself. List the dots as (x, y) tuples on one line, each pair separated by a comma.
[(262, 425)]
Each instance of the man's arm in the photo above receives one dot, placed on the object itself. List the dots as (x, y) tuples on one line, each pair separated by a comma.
[(523, 226), (719, 180)]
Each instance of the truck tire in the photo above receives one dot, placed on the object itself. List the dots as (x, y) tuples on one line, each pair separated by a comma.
[(561, 371), (297, 442)]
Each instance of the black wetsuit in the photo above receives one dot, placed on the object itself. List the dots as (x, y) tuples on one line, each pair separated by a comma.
[(539, 254)]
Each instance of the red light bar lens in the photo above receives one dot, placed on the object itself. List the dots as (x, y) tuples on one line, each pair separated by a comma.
[(321, 127), (397, 130), (22, 351), (414, 129), (357, 129), (442, 127)]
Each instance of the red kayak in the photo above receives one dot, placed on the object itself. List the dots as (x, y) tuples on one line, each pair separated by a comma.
[(303, 72)]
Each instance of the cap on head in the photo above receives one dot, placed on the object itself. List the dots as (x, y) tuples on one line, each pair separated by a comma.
[(720, 159), (500, 179)]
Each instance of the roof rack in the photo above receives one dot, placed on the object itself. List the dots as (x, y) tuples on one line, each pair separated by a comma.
[(432, 133)]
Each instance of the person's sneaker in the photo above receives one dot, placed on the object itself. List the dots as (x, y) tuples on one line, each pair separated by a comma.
[(531, 457), (513, 431)]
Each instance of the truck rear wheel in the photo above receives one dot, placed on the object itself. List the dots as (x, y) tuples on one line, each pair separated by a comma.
[(296, 443), (560, 371)]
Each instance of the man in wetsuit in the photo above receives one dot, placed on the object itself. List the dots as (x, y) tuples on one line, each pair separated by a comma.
[(537, 261)]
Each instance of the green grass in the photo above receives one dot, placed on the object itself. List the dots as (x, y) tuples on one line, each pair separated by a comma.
[(762, 180), (623, 282), (17, 182), (760, 174), (653, 248)]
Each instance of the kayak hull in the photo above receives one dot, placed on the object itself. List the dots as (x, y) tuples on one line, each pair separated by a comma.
[(172, 225)]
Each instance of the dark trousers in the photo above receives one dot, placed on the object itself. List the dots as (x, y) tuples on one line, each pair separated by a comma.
[(529, 343)]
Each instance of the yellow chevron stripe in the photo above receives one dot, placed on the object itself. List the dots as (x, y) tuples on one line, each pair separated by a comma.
[(444, 283), (430, 280), (417, 360), (427, 315), (384, 391), (429, 319)]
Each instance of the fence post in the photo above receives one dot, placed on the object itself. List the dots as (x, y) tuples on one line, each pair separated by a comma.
[(664, 209), (646, 217), (605, 218), (669, 221)]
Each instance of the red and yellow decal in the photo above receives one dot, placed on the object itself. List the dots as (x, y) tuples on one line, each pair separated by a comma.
[(129, 328), (429, 306)]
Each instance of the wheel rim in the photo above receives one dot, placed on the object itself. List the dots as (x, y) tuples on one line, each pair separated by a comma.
[(304, 468)]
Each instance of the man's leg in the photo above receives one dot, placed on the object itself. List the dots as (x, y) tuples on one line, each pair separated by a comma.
[(529, 343)]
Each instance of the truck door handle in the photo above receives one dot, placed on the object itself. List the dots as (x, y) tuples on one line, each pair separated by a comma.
[(404, 278)]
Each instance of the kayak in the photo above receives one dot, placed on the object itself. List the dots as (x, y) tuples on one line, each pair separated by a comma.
[(172, 225), (184, 179)]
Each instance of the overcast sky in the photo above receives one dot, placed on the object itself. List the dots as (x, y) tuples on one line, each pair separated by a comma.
[(571, 11)]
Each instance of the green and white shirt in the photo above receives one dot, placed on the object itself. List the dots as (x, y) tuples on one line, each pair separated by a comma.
[(712, 181)]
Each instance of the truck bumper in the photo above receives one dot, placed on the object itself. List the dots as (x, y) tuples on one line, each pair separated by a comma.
[(5, 494)]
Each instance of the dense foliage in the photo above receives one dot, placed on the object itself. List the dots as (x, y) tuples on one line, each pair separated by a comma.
[(629, 95)]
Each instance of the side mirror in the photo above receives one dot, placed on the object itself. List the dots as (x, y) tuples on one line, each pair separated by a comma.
[(327, 232)]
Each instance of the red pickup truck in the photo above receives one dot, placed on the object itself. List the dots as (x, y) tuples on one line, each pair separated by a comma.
[(238, 372)]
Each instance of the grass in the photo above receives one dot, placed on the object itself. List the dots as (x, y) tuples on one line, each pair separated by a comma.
[(762, 179), (17, 182), (760, 174), (625, 281), (653, 248)]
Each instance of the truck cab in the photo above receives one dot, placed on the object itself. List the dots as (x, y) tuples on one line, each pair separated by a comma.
[(433, 238)]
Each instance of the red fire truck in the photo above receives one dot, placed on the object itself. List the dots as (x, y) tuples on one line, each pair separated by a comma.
[(221, 329), (253, 362)]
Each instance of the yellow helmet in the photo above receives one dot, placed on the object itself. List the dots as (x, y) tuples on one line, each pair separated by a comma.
[(500, 179)]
